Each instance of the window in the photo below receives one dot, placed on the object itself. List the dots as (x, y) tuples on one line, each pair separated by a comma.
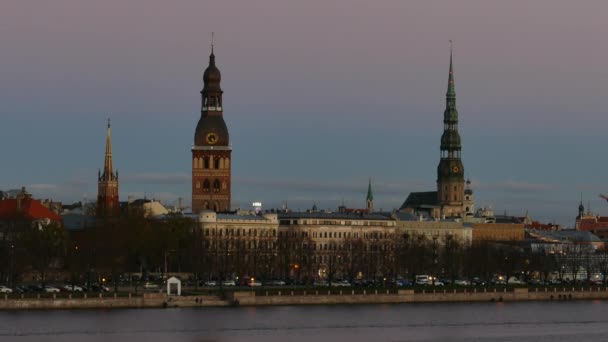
[(216, 185), (216, 163), (206, 162), (206, 185)]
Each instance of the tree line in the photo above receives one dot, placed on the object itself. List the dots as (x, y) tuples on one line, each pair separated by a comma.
[(135, 244)]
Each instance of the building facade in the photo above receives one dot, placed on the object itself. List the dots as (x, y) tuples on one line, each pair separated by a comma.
[(107, 183), (211, 152)]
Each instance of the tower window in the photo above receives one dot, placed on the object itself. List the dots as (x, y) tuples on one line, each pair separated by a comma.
[(216, 163), (206, 185), (216, 185), (206, 162)]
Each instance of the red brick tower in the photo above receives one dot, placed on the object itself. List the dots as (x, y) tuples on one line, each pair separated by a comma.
[(107, 183), (211, 153)]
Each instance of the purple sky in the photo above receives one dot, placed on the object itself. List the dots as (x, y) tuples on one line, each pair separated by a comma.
[(319, 96)]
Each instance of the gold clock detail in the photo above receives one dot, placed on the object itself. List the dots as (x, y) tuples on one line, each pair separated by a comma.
[(212, 138), (455, 169)]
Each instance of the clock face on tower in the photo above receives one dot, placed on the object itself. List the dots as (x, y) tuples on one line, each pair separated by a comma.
[(211, 138), (455, 169)]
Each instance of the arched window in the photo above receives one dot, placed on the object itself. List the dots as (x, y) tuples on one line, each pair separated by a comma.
[(206, 185), (216, 185), (216, 163), (206, 162)]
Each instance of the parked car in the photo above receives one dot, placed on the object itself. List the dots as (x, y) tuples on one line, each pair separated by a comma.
[(210, 283), (34, 288), (254, 283), (150, 286), (51, 289), (404, 282), (228, 283), (422, 279), (515, 281), (462, 282), (320, 283), (72, 288), (4, 289), (478, 282), (340, 283), (276, 283)]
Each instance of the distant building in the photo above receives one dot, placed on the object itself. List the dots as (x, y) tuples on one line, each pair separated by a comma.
[(562, 240), (23, 211), (107, 183), (586, 221), (149, 208), (486, 232), (369, 204)]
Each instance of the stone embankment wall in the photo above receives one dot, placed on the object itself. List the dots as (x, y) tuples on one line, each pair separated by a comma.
[(314, 297), (107, 301), (410, 296)]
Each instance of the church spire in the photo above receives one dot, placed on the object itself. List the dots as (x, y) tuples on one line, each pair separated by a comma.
[(451, 92), (450, 172), (107, 182), (108, 167), (370, 197)]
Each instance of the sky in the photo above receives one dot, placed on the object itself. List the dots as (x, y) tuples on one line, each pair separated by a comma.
[(319, 96)]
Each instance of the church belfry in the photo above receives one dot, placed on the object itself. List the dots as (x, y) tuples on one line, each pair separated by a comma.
[(450, 172), (107, 182), (211, 152)]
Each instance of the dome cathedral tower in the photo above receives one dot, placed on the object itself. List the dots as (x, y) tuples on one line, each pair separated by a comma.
[(211, 152)]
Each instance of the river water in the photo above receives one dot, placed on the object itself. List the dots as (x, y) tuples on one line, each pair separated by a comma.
[(532, 321)]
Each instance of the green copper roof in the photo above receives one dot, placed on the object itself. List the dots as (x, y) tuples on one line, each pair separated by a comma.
[(451, 92), (370, 195)]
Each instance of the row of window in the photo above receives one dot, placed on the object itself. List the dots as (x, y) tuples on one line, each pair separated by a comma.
[(217, 186), (211, 163), (239, 231), (337, 223)]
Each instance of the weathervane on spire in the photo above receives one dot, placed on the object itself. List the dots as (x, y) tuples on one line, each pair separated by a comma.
[(212, 34)]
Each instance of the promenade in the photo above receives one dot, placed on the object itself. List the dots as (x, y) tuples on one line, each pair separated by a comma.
[(299, 297)]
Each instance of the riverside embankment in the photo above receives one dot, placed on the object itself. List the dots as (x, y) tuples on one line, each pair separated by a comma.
[(301, 297)]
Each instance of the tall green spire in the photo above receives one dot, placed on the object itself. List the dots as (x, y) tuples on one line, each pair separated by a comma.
[(370, 195), (451, 92)]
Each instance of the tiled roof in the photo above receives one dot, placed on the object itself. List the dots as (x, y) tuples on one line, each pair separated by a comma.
[(30, 208), (564, 235), (419, 199), (326, 215)]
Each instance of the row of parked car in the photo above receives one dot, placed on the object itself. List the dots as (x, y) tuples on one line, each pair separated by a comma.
[(53, 288), (250, 283)]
